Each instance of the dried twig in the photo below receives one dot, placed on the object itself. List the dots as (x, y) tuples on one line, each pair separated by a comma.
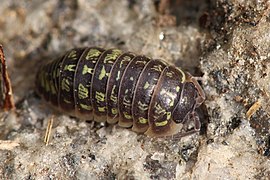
[(252, 110), (8, 145), (6, 93), (48, 131)]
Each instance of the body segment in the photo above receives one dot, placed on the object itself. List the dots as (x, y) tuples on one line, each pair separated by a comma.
[(132, 90), (113, 86), (127, 89), (143, 94), (82, 82), (99, 81)]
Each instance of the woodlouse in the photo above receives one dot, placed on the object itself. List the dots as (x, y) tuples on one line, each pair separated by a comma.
[(136, 91)]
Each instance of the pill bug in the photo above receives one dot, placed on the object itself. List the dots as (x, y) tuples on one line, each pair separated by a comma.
[(132, 90)]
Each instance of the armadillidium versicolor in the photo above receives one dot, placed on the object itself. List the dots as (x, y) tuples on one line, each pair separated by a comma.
[(132, 90)]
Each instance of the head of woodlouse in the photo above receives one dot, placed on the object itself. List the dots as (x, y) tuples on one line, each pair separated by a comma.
[(192, 96), (173, 108)]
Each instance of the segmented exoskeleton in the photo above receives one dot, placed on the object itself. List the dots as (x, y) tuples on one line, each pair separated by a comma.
[(135, 91)]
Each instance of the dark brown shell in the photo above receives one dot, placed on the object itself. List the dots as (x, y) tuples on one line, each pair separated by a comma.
[(132, 90)]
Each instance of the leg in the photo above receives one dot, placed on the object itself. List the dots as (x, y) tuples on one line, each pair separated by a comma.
[(197, 122), (192, 116), (201, 96)]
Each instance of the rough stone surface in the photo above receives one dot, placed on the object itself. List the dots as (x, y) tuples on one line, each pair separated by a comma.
[(225, 42)]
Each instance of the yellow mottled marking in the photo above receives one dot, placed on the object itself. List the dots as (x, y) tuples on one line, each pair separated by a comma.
[(169, 74), (52, 87), (67, 101), (131, 78), (118, 75), (168, 93), (72, 55), (47, 84), (65, 85), (86, 107), (70, 67), (87, 70), (159, 110), (171, 102), (162, 123), (42, 79), (125, 59), (146, 85), (102, 109), (163, 91), (113, 97), (142, 106), (141, 62), (102, 73), (92, 53), (111, 57), (171, 96), (113, 89), (114, 111), (100, 96), (177, 88), (155, 79), (83, 91), (142, 120), (157, 68), (127, 115), (169, 114), (126, 101)]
